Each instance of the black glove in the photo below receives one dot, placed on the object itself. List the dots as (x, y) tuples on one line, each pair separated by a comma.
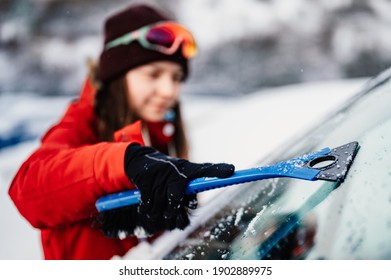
[(162, 181)]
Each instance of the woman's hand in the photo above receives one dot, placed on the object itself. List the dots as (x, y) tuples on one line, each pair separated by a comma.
[(162, 181)]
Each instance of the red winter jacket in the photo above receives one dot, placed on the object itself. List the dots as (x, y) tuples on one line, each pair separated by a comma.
[(57, 187)]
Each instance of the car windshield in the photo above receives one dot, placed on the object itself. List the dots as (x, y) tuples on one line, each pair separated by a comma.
[(294, 219)]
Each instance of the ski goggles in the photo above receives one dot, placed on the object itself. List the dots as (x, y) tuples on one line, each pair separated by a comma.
[(165, 37)]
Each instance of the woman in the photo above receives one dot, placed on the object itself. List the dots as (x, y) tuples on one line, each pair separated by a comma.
[(116, 136)]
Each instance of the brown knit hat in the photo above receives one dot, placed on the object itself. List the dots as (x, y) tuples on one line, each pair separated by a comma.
[(116, 61)]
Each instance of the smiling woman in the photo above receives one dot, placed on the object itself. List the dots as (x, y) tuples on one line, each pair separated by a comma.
[(115, 138)]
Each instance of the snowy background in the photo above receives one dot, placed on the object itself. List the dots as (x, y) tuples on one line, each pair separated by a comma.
[(266, 70), (246, 44)]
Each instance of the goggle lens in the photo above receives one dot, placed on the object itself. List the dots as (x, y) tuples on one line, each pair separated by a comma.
[(171, 35), (160, 36)]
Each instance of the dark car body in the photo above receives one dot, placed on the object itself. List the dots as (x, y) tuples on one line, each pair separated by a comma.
[(295, 219)]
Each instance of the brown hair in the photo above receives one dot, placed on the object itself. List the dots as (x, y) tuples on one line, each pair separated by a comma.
[(113, 113)]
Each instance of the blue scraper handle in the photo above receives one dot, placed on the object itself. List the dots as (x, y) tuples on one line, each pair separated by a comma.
[(293, 168)]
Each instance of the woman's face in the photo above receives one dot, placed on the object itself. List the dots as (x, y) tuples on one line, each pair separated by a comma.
[(154, 89)]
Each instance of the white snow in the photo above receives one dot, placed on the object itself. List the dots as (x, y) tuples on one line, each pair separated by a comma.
[(239, 215), (253, 222)]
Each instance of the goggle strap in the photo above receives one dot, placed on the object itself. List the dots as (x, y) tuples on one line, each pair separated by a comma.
[(124, 39)]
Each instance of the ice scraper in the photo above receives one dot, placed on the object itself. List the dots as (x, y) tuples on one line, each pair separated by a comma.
[(325, 164)]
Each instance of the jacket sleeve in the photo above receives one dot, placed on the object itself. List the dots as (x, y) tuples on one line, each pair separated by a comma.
[(61, 181)]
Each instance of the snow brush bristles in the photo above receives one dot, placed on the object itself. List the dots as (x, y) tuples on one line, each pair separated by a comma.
[(118, 212)]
